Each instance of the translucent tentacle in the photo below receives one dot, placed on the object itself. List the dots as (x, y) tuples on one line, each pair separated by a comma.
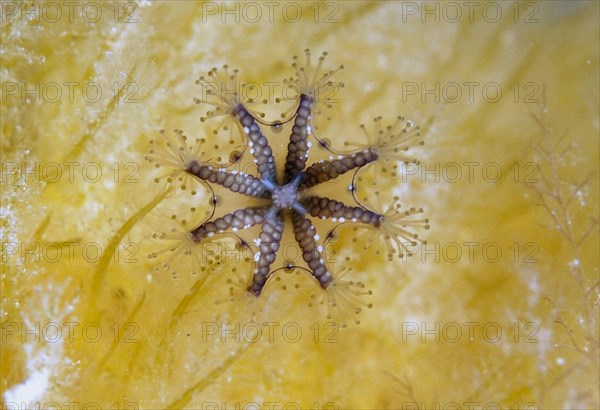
[(392, 142), (310, 79), (344, 298), (221, 90), (397, 229), (175, 153)]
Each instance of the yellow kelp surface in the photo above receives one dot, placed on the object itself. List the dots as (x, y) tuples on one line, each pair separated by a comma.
[(499, 308)]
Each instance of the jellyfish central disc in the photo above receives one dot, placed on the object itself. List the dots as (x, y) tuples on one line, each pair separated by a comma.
[(285, 196)]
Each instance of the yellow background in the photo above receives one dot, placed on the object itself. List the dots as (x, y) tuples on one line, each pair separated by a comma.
[(543, 56)]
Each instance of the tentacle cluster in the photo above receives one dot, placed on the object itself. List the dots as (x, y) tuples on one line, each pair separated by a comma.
[(344, 298), (311, 80), (391, 143), (177, 154), (396, 229), (285, 194)]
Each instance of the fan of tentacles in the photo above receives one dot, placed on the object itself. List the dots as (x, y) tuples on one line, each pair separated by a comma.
[(287, 195)]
